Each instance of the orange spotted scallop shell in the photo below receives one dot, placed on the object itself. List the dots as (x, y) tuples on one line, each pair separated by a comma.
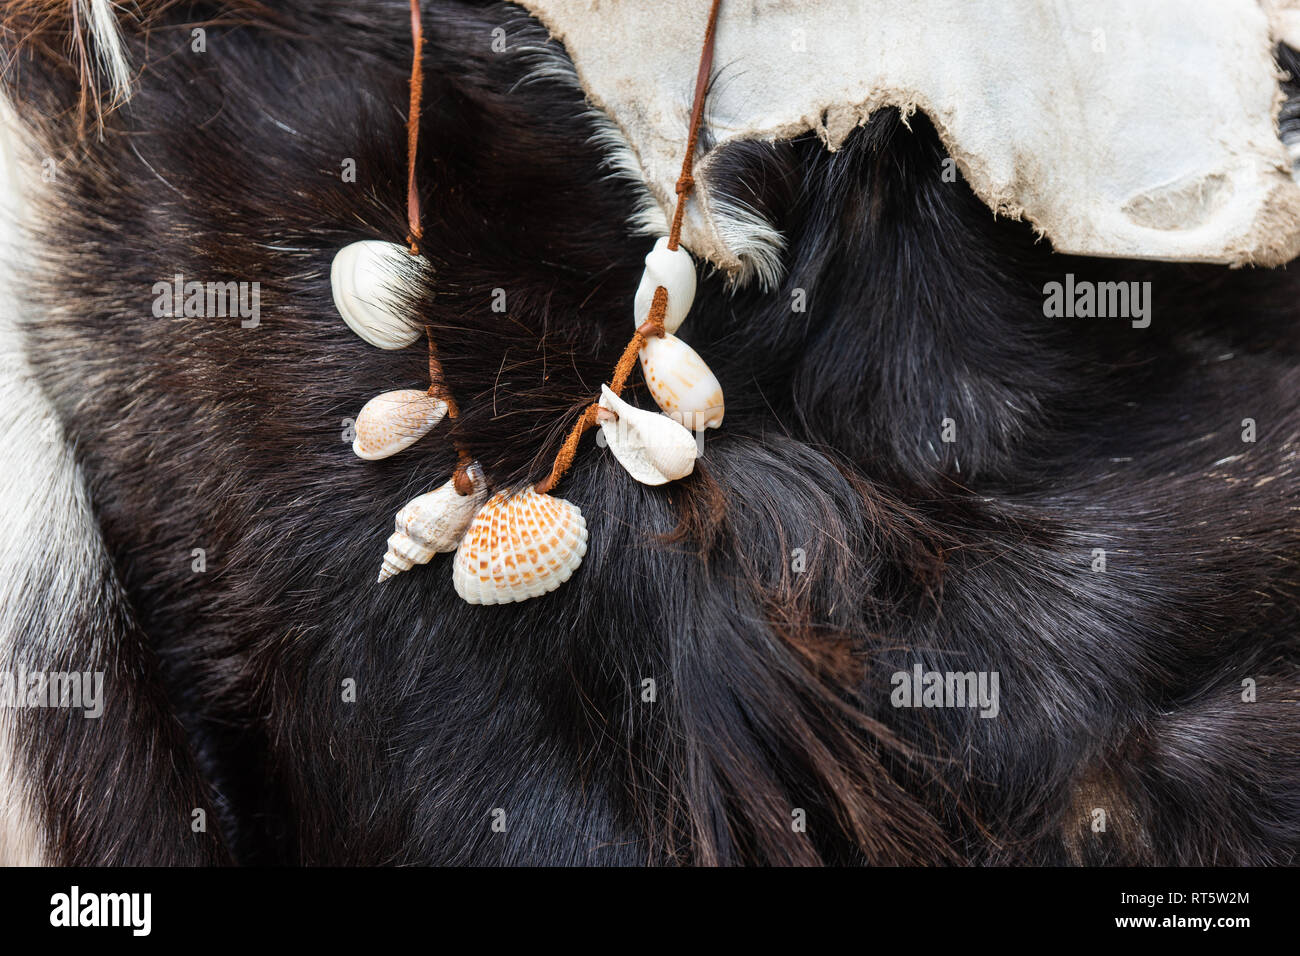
[(519, 547)]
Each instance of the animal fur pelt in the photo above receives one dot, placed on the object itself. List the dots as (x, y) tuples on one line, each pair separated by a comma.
[(830, 538)]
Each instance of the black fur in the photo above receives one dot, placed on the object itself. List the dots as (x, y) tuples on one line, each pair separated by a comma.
[(1121, 690)]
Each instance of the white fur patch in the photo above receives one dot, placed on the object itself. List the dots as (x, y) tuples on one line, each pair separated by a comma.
[(50, 550)]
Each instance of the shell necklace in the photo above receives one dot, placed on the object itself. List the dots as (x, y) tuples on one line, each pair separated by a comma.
[(514, 547)]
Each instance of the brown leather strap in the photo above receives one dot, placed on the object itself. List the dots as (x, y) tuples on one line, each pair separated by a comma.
[(413, 131), (438, 389), (686, 182), (437, 383)]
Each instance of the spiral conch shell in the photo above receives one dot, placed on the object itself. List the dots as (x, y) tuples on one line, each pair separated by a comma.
[(675, 271), (519, 547), (652, 447), (395, 420), (431, 524), (364, 277), (681, 383)]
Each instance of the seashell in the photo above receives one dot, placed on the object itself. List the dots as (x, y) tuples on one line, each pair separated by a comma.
[(675, 271), (365, 278), (395, 420), (652, 447), (431, 524), (681, 383), (519, 547)]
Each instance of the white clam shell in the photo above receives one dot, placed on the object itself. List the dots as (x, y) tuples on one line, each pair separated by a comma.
[(364, 277), (681, 383), (652, 447), (395, 420), (519, 547), (431, 524), (675, 271)]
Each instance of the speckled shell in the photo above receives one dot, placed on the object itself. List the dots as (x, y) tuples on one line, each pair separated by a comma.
[(681, 383), (519, 547), (395, 420), (430, 524), (675, 271), (364, 276), (652, 447)]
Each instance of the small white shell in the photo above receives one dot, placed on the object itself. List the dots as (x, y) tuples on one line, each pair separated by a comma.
[(395, 420), (364, 277), (518, 548), (430, 524), (652, 447), (675, 271), (681, 383)]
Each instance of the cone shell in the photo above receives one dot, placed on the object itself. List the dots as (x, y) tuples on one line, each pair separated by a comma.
[(430, 524), (395, 420), (365, 277), (652, 447), (675, 271), (519, 547), (681, 383)]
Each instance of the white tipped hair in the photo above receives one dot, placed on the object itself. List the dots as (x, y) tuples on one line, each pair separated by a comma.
[(101, 20), (621, 161), (753, 240), (551, 62)]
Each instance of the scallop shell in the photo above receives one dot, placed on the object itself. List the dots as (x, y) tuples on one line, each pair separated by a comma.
[(395, 420), (430, 524), (652, 447), (365, 277), (675, 271), (519, 547), (681, 383)]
